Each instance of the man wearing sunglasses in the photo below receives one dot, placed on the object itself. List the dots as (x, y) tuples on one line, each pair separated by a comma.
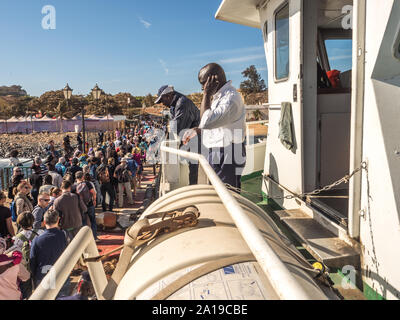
[(39, 211)]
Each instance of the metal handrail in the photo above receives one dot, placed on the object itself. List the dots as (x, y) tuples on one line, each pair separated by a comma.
[(82, 244), (279, 276)]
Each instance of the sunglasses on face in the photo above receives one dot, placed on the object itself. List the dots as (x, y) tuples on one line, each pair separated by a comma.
[(45, 200)]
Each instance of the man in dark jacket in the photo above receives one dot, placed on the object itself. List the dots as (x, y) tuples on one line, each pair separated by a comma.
[(71, 208), (185, 115), (47, 248)]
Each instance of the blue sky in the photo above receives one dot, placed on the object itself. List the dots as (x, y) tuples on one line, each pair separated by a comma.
[(131, 46)]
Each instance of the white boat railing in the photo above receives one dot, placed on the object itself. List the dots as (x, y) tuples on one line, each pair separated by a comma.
[(82, 244), (279, 276)]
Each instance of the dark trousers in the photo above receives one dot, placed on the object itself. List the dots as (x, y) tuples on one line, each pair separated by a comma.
[(194, 145), (228, 163), (35, 194), (107, 188), (92, 218), (193, 174)]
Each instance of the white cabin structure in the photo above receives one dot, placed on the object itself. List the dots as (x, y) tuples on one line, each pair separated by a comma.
[(335, 129)]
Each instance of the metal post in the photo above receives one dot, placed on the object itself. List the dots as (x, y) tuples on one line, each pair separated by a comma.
[(108, 123), (83, 130)]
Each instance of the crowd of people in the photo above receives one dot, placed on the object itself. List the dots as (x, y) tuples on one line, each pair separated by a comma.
[(61, 195), (49, 207)]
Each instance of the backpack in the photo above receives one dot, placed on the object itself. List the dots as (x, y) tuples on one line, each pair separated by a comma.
[(124, 176), (83, 191), (103, 175), (13, 209), (26, 247), (59, 170)]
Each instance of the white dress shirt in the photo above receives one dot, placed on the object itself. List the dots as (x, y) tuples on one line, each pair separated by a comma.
[(225, 122)]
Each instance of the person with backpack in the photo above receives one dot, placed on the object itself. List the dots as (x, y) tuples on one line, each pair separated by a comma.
[(124, 176), (133, 167), (86, 191), (60, 166), (93, 165), (22, 243), (104, 176)]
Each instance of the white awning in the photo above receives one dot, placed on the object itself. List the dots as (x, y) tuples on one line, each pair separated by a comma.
[(243, 12)]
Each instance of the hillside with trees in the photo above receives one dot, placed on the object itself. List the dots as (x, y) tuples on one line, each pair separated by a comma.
[(15, 91), (15, 102), (53, 104), (253, 89)]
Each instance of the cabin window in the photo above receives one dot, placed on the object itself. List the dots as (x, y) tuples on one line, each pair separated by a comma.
[(266, 31), (339, 53), (282, 43)]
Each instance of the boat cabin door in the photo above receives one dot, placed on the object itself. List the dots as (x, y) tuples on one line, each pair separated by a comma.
[(327, 61), (281, 21)]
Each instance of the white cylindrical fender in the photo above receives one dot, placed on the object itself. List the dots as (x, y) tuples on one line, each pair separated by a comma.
[(215, 237)]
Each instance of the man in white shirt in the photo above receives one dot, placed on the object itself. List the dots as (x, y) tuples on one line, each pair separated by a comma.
[(223, 125)]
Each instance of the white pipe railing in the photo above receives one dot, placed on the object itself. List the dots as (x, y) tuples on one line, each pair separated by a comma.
[(279, 276), (82, 244)]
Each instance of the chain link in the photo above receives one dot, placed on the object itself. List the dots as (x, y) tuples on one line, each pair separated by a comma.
[(345, 179)]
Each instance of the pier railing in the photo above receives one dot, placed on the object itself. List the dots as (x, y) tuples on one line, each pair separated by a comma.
[(6, 174)]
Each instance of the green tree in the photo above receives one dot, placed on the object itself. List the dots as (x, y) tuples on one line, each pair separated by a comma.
[(254, 84), (149, 100), (50, 100)]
